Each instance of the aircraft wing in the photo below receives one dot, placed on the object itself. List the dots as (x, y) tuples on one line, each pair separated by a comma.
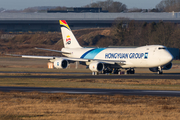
[(112, 62), (90, 60), (31, 56), (39, 57), (53, 58)]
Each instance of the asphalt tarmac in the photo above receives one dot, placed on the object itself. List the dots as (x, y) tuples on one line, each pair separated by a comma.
[(93, 91), (87, 75)]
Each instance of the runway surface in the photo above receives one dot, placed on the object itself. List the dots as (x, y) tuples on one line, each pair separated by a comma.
[(83, 75), (93, 91), (88, 76)]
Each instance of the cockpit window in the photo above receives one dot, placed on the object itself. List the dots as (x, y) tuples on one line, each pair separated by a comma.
[(160, 48)]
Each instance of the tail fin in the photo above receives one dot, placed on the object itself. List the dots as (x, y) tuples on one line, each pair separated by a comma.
[(69, 39)]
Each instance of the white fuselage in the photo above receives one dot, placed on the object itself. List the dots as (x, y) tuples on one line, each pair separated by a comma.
[(145, 56)]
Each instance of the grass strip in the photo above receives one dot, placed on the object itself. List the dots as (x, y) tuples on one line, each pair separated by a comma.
[(91, 83)]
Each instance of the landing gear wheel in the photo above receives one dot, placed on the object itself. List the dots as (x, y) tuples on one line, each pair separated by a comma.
[(160, 72), (131, 71), (115, 71), (94, 73), (105, 71)]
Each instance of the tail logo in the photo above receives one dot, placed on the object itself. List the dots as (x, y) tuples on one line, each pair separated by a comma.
[(68, 40)]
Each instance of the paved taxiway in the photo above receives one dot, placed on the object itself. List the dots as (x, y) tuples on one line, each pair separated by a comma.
[(93, 91)]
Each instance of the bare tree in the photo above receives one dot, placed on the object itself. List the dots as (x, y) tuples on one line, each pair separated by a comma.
[(175, 38), (169, 6), (109, 5), (117, 7), (135, 10), (59, 8)]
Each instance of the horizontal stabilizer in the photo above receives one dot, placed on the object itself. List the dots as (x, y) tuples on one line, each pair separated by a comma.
[(52, 50)]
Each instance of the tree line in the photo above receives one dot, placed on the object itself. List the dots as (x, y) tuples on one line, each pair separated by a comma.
[(111, 6), (136, 33), (168, 6)]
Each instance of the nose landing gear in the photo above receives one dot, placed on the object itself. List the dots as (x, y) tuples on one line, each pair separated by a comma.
[(160, 70)]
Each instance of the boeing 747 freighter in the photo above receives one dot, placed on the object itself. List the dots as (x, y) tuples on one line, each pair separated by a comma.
[(109, 60)]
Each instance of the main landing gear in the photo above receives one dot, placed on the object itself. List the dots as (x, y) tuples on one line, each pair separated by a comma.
[(114, 71), (110, 71), (160, 70), (94, 73), (131, 71)]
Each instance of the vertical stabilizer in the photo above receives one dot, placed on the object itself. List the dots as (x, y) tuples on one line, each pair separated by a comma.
[(69, 39)]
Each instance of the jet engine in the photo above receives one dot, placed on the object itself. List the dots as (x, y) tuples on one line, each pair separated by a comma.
[(96, 66), (165, 67), (168, 66), (155, 69), (60, 64)]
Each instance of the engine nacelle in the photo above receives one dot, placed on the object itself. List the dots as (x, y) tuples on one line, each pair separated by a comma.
[(168, 66), (165, 67), (96, 66), (155, 69), (60, 64)]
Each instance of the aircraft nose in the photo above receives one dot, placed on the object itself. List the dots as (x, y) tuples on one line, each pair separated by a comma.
[(169, 57), (165, 58)]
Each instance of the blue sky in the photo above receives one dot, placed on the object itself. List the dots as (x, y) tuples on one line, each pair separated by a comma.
[(21, 4)]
